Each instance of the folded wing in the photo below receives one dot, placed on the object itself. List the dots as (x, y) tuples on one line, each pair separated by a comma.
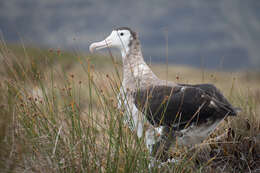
[(180, 106)]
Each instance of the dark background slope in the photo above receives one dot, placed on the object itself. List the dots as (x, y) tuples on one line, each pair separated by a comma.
[(223, 33)]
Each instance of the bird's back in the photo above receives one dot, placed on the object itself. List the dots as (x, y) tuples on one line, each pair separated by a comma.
[(182, 105)]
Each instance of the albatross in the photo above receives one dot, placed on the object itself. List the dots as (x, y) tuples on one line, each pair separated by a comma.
[(178, 112)]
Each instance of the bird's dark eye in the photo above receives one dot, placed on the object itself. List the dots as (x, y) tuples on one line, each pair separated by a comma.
[(121, 34)]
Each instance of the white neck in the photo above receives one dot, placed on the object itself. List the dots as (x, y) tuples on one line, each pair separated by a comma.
[(134, 67), (124, 51)]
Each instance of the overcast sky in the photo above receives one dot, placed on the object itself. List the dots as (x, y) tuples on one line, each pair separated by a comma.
[(219, 32)]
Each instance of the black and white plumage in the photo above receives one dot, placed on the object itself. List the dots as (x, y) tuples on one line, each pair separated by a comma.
[(191, 111), (178, 107)]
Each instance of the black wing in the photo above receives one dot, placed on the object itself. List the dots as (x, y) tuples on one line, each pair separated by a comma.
[(180, 106), (212, 91)]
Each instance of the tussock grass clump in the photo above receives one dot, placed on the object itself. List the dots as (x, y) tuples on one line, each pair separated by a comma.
[(59, 114)]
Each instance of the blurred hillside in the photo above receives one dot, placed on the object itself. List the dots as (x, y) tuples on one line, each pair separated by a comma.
[(221, 34)]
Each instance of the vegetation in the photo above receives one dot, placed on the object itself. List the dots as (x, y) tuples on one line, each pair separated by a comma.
[(58, 114)]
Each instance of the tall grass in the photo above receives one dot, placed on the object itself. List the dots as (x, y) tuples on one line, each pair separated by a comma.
[(59, 114)]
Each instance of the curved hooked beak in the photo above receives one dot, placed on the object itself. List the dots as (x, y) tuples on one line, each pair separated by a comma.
[(100, 45)]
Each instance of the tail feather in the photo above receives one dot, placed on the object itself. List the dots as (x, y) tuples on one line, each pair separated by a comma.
[(233, 111), (227, 109)]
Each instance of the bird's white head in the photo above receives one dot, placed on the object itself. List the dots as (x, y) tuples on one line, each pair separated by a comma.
[(119, 38)]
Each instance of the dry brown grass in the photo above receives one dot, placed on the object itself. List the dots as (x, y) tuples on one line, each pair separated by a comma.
[(58, 114)]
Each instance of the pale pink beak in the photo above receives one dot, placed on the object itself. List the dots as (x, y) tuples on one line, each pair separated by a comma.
[(100, 45)]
